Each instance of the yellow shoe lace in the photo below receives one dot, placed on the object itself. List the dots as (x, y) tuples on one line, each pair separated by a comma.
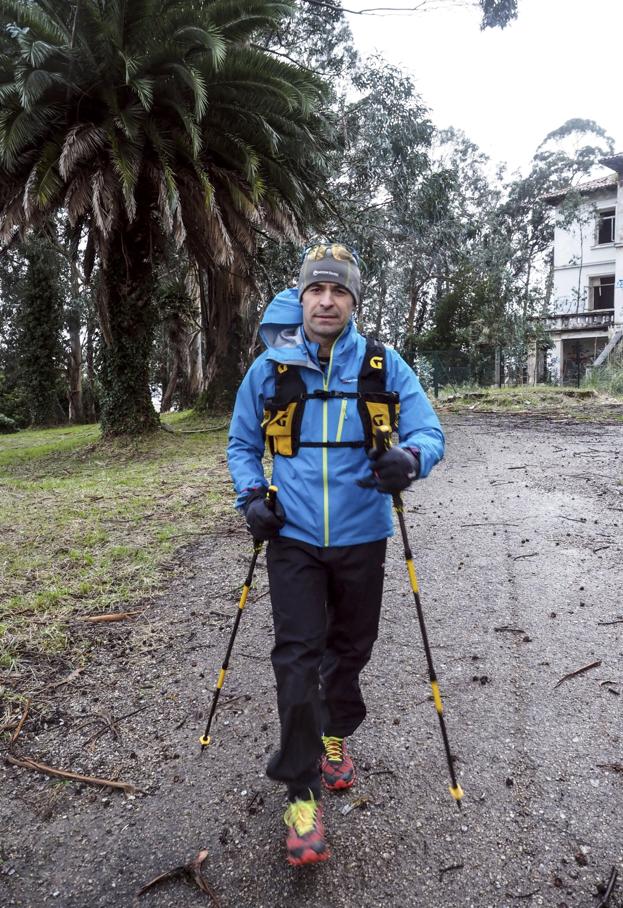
[(333, 748), (301, 815)]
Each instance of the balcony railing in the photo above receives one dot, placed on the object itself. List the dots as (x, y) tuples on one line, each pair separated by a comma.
[(579, 321)]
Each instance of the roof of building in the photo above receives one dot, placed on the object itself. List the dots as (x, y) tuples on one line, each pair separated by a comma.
[(600, 185), (614, 162)]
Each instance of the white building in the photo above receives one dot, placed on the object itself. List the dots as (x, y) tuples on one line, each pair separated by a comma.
[(587, 298)]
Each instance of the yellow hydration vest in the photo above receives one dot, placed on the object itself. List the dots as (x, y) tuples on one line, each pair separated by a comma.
[(283, 413)]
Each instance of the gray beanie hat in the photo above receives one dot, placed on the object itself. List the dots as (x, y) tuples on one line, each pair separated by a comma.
[(330, 262)]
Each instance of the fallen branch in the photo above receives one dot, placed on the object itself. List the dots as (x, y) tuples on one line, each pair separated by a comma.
[(20, 724), (113, 616), (531, 555), (8, 726), (606, 623), (505, 628), (171, 431), (609, 889), (191, 872), (489, 524), (578, 671), (615, 767), (68, 680), (27, 763), (443, 870)]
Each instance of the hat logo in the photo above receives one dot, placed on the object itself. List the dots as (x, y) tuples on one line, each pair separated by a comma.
[(332, 273)]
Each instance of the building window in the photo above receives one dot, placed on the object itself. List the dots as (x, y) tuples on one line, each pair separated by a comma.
[(601, 293), (605, 226)]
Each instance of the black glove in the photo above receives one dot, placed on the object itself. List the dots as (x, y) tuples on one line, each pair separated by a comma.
[(263, 522), (394, 469)]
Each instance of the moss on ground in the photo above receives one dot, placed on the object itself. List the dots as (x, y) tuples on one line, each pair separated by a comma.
[(585, 404), (88, 526)]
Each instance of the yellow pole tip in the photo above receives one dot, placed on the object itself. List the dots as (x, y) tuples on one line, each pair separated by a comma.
[(457, 793), (205, 741)]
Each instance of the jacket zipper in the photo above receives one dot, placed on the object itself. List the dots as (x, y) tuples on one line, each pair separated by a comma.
[(325, 437)]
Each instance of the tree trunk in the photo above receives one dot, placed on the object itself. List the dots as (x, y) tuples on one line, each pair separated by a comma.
[(90, 402), (127, 319), (74, 369), (195, 343), (40, 322), (381, 307), (74, 366), (169, 391), (225, 340)]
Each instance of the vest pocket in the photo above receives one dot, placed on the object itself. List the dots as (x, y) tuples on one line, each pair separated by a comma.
[(279, 426)]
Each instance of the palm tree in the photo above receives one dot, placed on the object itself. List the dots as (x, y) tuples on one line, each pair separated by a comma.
[(147, 120)]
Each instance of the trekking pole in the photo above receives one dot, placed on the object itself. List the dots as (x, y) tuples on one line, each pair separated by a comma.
[(383, 443), (271, 497)]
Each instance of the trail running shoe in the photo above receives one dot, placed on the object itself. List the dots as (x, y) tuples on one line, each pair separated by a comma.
[(305, 841), (336, 766)]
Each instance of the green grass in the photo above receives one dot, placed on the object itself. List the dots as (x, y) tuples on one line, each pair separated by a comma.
[(607, 379), (88, 526)]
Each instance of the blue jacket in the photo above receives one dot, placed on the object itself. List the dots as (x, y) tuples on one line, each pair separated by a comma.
[(318, 486)]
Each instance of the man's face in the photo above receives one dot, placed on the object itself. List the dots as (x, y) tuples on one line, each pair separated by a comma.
[(326, 310)]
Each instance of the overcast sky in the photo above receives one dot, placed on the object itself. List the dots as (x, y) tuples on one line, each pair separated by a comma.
[(506, 88)]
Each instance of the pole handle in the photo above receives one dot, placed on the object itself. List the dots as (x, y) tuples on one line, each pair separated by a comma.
[(383, 439), (271, 497)]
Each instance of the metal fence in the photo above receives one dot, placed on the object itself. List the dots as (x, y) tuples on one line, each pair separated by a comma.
[(451, 369)]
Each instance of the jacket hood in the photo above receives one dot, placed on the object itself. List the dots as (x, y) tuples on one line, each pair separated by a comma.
[(284, 309), (281, 322)]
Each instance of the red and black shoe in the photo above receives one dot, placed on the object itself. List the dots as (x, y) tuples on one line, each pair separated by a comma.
[(336, 766), (305, 841)]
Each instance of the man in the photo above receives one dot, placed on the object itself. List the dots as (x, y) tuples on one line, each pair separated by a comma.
[(316, 395)]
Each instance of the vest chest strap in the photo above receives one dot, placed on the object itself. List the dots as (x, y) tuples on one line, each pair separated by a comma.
[(283, 413)]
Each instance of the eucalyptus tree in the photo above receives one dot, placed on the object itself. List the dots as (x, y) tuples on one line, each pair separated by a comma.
[(566, 157), (385, 134), (494, 13), (148, 120)]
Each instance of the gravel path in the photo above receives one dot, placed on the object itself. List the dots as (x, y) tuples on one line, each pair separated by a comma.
[(518, 545)]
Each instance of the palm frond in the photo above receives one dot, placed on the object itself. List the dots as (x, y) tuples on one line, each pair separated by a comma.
[(20, 129), (82, 143), (33, 84), (12, 215), (193, 39), (79, 195), (103, 201), (31, 16), (132, 65), (190, 77), (144, 88), (190, 125), (44, 185), (9, 95), (130, 120), (239, 19), (126, 159)]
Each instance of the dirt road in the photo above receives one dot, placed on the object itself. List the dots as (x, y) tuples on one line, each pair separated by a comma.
[(518, 543)]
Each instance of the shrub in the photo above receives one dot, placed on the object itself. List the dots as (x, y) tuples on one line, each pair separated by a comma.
[(7, 425)]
